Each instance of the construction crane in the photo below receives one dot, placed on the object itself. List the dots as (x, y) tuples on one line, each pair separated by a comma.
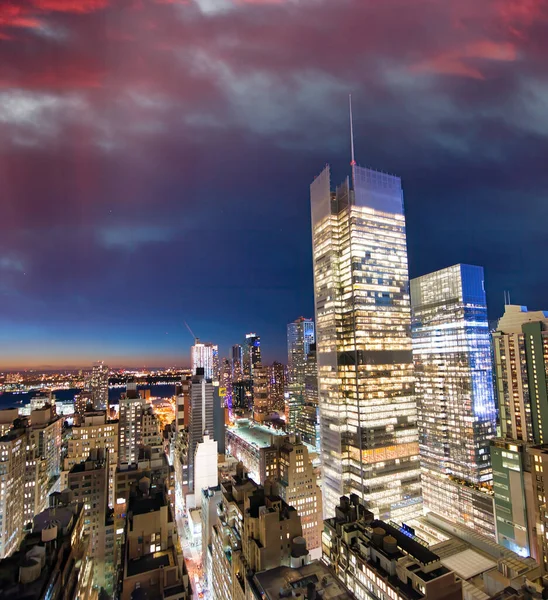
[(191, 332)]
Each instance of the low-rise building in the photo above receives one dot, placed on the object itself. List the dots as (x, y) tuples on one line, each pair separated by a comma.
[(286, 462), (152, 560), (375, 558), (255, 531), (52, 561)]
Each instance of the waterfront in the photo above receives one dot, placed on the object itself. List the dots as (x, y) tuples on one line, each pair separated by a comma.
[(18, 399)]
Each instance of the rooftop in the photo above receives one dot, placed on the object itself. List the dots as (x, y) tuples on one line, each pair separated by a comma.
[(256, 435), (276, 583), (468, 564), (149, 562), (147, 504)]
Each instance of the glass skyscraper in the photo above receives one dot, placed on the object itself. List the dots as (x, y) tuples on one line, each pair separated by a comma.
[(368, 428), (300, 336), (454, 389)]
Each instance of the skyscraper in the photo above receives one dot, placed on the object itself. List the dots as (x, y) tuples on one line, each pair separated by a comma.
[(300, 336), (205, 356), (130, 424), (236, 360), (277, 386), (454, 391), (308, 419), (368, 411), (251, 354), (520, 345), (201, 417), (12, 477), (98, 386)]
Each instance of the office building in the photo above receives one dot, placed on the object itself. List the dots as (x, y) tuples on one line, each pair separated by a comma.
[(98, 386), (12, 481), (454, 391), (363, 342), (374, 558), (255, 531), (307, 424), (201, 417), (251, 354), (300, 336), (514, 505), (94, 432), (205, 356), (151, 561), (242, 396), (130, 424), (237, 362)]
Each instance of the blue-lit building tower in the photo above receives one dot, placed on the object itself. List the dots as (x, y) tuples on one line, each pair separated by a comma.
[(455, 397)]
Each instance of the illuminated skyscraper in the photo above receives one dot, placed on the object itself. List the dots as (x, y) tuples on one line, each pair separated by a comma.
[(203, 395), (205, 356), (300, 335), (520, 345), (98, 386), (277, 386), (237, 362), (251, 354), (308, 419), (454, 390), (368, 412)]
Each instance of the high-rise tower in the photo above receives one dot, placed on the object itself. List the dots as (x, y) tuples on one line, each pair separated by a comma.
[(205, 356), (454, 390), (368, 411), (300, 336), (251, 354)]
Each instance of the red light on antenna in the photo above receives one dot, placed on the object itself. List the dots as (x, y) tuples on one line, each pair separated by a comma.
[(353, 163)]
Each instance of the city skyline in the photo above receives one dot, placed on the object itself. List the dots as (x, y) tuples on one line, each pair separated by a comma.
[(115, 120)]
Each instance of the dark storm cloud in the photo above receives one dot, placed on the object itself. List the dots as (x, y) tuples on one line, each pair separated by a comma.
[(156, 156)]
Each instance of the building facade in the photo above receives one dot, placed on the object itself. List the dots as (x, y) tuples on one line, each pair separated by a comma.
[(375, 559), (205, 356), (130, 424), (454, 391), (201, 417), (98, 386), (364, 351), (12, 480), (300, 337), (520, 348)]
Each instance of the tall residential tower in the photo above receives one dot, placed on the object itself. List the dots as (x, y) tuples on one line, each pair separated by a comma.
[(368, 411)]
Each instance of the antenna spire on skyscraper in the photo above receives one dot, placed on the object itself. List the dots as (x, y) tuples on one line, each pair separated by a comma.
[(353, 161)]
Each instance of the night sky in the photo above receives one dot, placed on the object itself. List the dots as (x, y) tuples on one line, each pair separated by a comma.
[(156, 156)]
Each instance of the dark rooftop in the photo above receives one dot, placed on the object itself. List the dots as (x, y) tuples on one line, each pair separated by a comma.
[(146, 504), (408, 545), (149, 562)]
